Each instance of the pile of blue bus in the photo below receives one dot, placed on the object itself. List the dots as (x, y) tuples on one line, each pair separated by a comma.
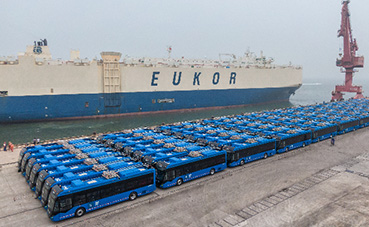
[(79, 176)]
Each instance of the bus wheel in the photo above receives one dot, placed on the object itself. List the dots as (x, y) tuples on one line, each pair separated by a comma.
[(179, 182), (212, 171), (303, 144), (80, 212), (242, 162), (286, 149), (133, 196)]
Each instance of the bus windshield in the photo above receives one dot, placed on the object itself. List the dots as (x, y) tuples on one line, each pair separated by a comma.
[(40, 181), (53, 204), (46, 190), (21, 153), (160, 176), (32, 177), (24, 161), (29, 166)]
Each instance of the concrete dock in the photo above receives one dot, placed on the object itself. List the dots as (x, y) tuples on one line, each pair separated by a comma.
[(318, 185)]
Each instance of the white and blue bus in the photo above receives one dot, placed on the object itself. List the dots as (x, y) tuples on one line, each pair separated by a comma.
[(250, 150), (68, 177), (36, 149), (95, 153), (79, 197), (322, 131), (293, 139), (175, 171), (347, 124), (79, 165)]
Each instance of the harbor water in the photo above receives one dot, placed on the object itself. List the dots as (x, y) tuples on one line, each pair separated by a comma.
[(18, 133)]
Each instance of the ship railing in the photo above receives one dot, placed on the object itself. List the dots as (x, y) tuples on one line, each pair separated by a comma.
[(82, 62), (161, 64), (10, 60)]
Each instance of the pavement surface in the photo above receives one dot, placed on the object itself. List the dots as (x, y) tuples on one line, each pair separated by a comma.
[(319, 185)]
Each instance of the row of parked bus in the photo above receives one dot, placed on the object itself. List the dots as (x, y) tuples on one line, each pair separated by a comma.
[(73, 177)]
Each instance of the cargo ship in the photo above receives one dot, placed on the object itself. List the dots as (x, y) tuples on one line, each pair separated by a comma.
[(35, 87)]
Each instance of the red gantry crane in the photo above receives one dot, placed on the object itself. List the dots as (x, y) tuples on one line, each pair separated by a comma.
[(349, 61)]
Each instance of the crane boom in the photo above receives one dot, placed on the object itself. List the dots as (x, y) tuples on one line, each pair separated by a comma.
[(349, 61)]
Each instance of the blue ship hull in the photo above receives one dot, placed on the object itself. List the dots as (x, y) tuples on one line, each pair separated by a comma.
[(49, 107)]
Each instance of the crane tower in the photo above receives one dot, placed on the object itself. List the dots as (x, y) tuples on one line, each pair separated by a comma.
[(349, 61)]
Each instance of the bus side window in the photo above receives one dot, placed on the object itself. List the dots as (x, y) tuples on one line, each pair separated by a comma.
[(145, 180), (107, 191), (119, 188), (179, 172), (187, 169), (56, 207), (150, 180), (165, 178), (79, 199), (170, 175), (65, 204), (93, 196), (173, 173), (131, 184)]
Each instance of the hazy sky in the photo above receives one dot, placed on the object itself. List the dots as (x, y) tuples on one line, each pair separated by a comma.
[(301, 31)]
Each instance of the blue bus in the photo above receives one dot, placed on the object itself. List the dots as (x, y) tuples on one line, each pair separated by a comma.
[(29, 159), (347, 125), (250, 150), (57, 172), (80, 197), (51, 181), (51, 161), (175, 171), (293, 139), (364, 120), (323, 131), (53, 164), (62, 167), (35, 149), (47, 160), (49, 149), (152, 158)]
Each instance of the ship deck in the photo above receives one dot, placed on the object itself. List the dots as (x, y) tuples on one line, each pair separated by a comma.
[(320, 185)]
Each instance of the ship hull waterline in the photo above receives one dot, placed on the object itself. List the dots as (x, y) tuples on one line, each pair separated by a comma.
[(16, 109)]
